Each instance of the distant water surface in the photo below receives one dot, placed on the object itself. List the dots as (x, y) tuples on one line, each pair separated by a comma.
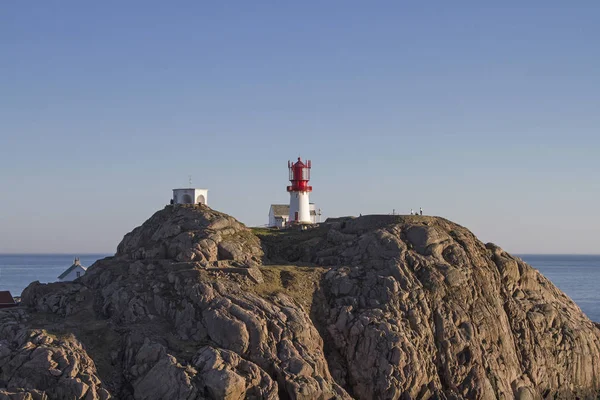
[(576, 275), (19, 270)]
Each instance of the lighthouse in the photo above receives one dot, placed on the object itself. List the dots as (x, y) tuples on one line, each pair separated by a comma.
[(299, 204)]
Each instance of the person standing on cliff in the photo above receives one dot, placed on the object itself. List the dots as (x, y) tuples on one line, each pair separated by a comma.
[(420, 211)]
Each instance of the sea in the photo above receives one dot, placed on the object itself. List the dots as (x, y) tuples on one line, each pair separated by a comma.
[(576, 275), (17, 271)]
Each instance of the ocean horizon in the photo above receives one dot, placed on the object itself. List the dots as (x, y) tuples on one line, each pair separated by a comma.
[(578, 275)]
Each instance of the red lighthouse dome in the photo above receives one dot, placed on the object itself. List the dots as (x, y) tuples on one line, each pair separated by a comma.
[(299, 176)]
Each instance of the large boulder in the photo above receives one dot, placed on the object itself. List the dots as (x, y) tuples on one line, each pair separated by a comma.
[(36, 364), (188, 233), (424, 307)]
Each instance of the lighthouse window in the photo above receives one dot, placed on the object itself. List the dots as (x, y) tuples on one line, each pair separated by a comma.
[(305, 174)]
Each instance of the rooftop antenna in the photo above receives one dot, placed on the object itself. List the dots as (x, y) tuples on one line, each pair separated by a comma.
[(190, 180)]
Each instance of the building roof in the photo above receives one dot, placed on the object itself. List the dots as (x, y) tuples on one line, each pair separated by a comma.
[(71, 268), (280, 210), (6, 297), (299, 163)]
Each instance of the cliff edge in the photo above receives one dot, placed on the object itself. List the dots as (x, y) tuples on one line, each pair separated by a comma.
[(194, 305)]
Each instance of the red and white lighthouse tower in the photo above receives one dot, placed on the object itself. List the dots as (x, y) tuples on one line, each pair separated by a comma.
[(299, 190)]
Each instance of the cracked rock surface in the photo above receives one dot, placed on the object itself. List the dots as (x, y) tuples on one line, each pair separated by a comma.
[(419, 305), (194, 305)]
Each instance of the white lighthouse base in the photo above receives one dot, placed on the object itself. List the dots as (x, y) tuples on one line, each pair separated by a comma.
[(299, 208)]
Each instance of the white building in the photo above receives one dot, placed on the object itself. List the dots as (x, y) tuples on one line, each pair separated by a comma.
[(190, 196), (73, 272), (279, 215)]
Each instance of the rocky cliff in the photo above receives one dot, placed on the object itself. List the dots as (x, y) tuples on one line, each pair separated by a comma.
[(194, 305)]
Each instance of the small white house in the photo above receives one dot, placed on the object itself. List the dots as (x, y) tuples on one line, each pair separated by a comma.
[(73, 272), (190, 196), (279, 215)]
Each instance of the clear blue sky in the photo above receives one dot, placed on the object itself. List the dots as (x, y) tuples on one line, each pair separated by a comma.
[(487, 115)]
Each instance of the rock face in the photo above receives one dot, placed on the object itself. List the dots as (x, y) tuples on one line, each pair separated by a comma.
[(196, 306), (37, 365), (192, 233), (422, 306)]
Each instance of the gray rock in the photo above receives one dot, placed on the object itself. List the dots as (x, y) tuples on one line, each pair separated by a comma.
[(190, 233), (35, 364), (408, 307)]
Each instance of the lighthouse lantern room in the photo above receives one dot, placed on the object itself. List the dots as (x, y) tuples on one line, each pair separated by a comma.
[(299, 190)]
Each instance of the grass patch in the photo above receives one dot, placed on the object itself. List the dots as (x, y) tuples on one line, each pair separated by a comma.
[(266, 231), (297, 282)]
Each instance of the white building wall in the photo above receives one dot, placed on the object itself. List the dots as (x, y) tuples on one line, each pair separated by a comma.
[(294, 205), (281, 222), (73, 274), (299, 202), (313, 218), (180, 194), (274, 221), (271, 217), (194, 195), (201, 196)]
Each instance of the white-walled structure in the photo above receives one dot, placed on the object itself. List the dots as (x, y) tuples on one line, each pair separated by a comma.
[(299, 207), (279, 215), (73, 272), (315, 214), (299, 191), (190, 196)]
